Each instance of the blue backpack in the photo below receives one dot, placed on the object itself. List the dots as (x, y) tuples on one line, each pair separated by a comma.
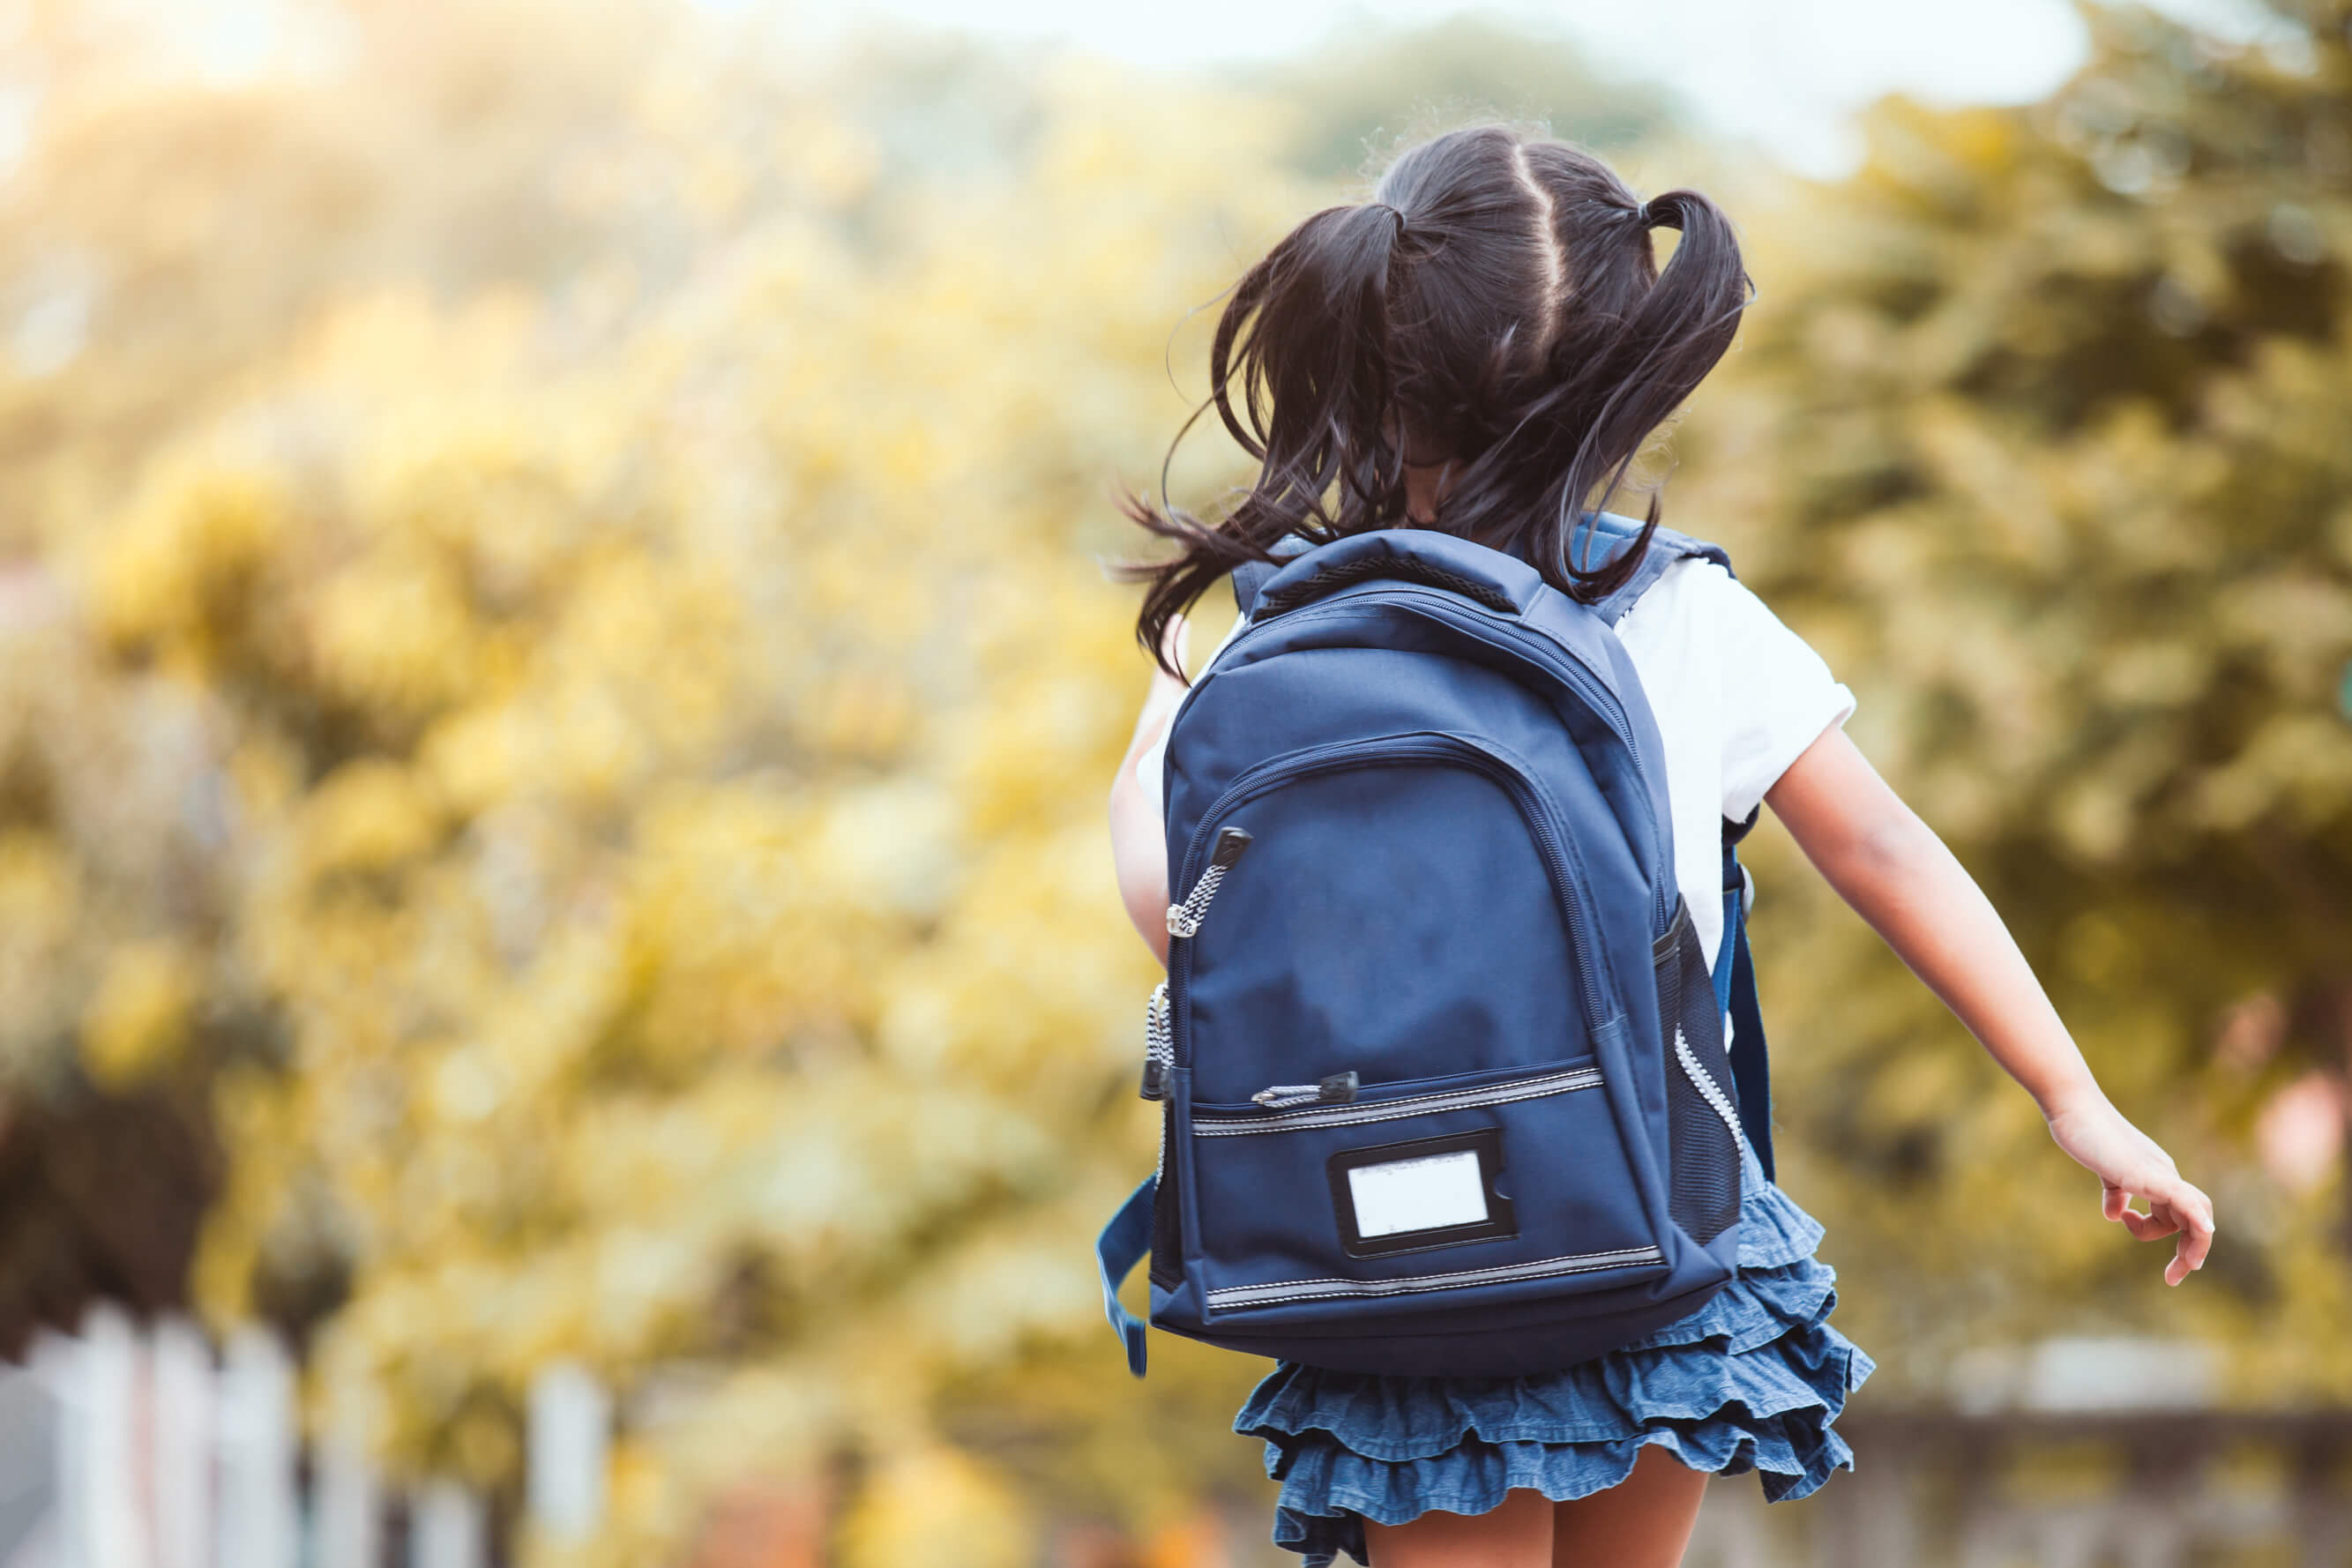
[(1439, 1061)]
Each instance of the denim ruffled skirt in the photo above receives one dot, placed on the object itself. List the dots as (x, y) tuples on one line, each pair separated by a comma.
[(1751, 1380)]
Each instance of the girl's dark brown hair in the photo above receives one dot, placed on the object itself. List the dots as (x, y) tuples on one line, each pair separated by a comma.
[(1496, 304)]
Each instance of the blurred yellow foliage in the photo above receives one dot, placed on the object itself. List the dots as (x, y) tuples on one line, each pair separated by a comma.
[(562, 683), (660, 733), (138, 1015), (937, 1505)]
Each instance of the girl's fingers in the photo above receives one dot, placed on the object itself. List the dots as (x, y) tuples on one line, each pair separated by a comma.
[(2196, 1213), (2174, 1207), (2116, 1204)]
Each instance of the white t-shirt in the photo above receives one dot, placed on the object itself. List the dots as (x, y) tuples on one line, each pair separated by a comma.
[(1737, 698)]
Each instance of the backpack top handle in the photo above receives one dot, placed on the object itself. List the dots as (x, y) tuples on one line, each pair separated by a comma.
[(1484, 576)]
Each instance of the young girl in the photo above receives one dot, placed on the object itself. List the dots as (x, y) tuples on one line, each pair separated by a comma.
[(1484, 348)]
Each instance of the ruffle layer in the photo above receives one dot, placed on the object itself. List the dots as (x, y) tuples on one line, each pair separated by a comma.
[(1750, 1381), (1773, 1230)]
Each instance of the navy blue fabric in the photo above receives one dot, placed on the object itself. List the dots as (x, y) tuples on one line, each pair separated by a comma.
[(1612, 533), (1458, 872), (1604, 535), (1734, 969), (1750, 1071), (1380, 1414), (1251, 575), (1735, 994), (1117, 1250), (1751, 1380)]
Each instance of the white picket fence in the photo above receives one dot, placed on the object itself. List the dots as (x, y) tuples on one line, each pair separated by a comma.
[(132, 1446)]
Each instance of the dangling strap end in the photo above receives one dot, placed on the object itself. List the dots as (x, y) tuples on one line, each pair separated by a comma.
[(1117, 1250)]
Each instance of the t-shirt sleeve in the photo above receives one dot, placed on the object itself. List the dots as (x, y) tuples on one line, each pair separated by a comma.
[(1779, 695)]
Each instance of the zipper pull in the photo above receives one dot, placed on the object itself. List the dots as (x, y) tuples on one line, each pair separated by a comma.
[(1184, 918), (1158, 1045), (1337, 1089)]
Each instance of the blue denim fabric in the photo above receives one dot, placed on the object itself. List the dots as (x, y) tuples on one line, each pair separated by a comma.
[(1751, 1380)]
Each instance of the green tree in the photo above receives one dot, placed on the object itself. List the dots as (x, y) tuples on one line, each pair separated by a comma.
[(582, 754), (2037, 428), (562, 703), (1367, 93)]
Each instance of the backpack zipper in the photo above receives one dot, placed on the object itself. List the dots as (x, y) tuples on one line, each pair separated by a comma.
[(1337, 1089), (1184, 918), (1415, 746), (1390, 1103), (1595, 692), (1159, 1044), (1603, 701)]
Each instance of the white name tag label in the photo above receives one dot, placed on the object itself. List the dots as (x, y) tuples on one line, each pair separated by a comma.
[(1429, 1192)]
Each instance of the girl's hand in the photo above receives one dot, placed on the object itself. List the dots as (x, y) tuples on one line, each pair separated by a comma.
[(2128, 1162)]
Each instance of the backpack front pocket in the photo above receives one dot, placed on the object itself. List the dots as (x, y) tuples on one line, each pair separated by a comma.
[(1514, 1182)]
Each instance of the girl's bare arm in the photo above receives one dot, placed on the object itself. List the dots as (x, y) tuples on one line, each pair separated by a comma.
[(1138, 849), (1899, 876)]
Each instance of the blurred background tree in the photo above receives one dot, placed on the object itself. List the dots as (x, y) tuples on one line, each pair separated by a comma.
[(1374, 92), (2038, 429), (556, 688)]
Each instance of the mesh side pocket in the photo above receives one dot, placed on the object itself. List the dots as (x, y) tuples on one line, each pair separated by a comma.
[(1167, 1240), (1702, 1190)]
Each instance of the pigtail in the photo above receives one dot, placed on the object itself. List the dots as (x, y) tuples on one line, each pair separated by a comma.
[(1299, 376), (1502, 305), (1639, 341)]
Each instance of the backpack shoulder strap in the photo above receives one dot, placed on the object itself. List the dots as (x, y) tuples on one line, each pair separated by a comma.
[(1735, 967), (1735, 994), (1667, 547)]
